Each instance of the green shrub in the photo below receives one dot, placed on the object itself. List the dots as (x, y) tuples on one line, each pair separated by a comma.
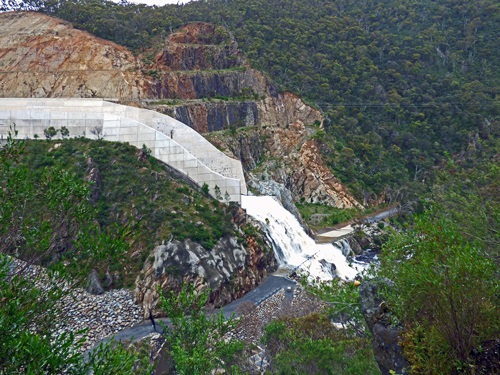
[(312, 345), (205, 188), (50, 132), (197, 341), (333, 215), (446, 292)]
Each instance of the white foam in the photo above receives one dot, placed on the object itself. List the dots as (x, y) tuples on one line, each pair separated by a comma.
[(293, 247)]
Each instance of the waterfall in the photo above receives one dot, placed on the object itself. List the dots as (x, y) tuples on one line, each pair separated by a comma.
[(293, 248), (344, 246)]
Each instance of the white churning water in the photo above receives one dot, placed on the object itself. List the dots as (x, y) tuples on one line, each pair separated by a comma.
[(293, 247)]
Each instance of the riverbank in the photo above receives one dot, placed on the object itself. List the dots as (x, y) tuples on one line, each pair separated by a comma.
[(346, 229)]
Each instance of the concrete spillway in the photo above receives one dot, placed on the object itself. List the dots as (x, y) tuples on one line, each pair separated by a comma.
[(170, 141)]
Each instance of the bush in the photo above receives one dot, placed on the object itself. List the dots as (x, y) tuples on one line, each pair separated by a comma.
[(312, 345), (446, 293), (50, 133), (197, 341)]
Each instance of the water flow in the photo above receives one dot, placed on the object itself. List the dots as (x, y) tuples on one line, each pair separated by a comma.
[(293, 247)]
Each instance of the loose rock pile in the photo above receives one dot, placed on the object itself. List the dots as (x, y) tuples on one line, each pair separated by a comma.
[(255, 318), (102, 315)]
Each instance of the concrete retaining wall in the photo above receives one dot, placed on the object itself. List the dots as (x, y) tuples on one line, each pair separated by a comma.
[(169, 140)]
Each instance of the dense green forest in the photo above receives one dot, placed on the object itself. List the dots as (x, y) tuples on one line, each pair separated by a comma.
[(400, 82), (407, 87)]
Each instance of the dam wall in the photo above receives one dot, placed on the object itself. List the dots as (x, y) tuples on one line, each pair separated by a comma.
[(170, 141)]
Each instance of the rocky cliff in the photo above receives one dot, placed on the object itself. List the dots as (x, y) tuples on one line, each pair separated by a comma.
[(212, 86), (229, 270), (288, 155), (198, 76), (234, 96), (42, 56)]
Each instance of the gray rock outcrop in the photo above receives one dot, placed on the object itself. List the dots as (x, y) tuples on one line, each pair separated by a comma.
[(388, 353), (188, 257), (229, 270)]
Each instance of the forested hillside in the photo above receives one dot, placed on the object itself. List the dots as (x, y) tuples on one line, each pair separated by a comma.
[(401, 82), (410, 93)]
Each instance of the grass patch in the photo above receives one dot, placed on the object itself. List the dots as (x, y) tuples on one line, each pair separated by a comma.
[(321, 216)]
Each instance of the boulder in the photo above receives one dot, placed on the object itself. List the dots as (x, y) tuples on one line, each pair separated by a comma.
[(94, 285), (229, 269)]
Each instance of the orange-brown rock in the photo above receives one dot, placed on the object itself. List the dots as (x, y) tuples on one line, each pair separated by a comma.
[(288, 155), (316, 182), (199, 72), (200, 46), (41, 56), (287, 108)]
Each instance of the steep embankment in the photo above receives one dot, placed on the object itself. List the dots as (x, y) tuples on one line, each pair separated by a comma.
[(198, 76), (41, 56), (202, 61), (211, 86), (289, 155), (207, 243)]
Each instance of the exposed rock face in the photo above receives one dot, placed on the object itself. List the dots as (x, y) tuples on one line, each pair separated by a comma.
[(210, 47), (206, 117), (286, 108), (287, 155), (41, 56), (199, 73), (202, 61), (388, 353), (216, 266), (316, 183), (229, 269), (205, 84), (282, 109)]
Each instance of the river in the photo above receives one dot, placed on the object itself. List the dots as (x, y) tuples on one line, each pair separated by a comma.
[(293, 248)]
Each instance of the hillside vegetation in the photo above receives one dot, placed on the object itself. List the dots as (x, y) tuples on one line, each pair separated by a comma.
[(401, 82), (131, 191)]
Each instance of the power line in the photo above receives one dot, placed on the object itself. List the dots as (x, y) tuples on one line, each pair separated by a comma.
[(382, 105)]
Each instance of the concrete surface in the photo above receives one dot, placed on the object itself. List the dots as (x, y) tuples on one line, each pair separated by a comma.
[(334, 234), (169, 140)]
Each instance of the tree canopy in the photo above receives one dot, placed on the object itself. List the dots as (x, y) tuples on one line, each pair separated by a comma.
[(401, 82)]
